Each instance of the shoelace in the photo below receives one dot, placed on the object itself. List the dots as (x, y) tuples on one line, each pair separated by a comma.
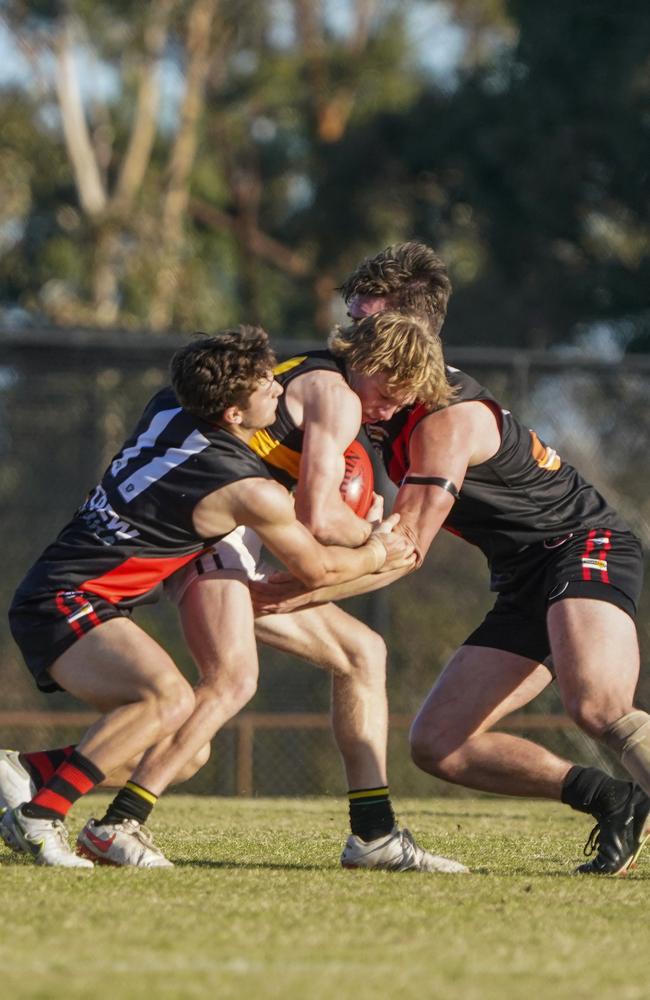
[(142, 833), (61, 832), (593, 841)]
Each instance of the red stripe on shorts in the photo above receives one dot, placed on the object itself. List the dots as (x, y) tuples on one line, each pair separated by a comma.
[(66, 611), (589, 546), (607, 544)]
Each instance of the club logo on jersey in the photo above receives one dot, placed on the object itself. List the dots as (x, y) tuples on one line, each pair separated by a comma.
[(81, 610), (547, 458), (599, 564), (104, 522)]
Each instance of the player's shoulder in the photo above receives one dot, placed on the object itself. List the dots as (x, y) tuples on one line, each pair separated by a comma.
[(325, 395), (263, 500)]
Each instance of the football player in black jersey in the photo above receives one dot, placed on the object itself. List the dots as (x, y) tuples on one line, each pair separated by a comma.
[(184, 479), (567, 570), (318, 416)]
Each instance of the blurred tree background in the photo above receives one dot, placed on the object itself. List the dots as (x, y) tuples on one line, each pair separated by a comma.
[(173, 165), (184, 164)]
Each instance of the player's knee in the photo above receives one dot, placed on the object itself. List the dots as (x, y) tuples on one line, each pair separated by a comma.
[(367, 658), (175, 702), (427, 750), (594, 716), (243, 685), (230, 690), (244, 690)]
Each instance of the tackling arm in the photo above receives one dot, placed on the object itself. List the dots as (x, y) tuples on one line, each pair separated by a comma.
[(267, 508), (331, 420), (441, 447)]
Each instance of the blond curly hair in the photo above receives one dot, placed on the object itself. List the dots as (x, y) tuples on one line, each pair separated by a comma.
[(403, 347)]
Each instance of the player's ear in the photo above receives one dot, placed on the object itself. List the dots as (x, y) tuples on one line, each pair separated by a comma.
[(232, 415)]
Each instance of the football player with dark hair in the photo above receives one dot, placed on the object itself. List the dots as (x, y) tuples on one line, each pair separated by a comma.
[(185, 478), (406, 278)]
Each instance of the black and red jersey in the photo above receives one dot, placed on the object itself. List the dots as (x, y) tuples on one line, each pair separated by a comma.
[(135, 528), (524, 494), (280, 445)]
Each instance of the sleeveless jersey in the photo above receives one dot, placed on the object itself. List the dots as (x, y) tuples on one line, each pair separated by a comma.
[(280, 445), (135, 528), (524, 494)]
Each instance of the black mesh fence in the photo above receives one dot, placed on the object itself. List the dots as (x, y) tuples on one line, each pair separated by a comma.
[(68, 399)]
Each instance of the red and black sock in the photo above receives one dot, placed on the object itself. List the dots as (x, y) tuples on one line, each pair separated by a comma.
[(73, 778), (371, 812), (43, 763)]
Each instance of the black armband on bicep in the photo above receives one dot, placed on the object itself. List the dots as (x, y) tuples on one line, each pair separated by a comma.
[(444, 484)]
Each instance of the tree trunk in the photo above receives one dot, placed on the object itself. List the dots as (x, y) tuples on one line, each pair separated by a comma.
[(177, 196)]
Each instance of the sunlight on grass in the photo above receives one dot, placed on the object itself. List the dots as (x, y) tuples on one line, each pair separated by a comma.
[(257, 906)]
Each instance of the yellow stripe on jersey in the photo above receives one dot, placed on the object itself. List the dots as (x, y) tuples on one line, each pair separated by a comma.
[(273, 453), (286, 366)]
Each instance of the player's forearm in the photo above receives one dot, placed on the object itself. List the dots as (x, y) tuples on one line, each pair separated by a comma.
[(336, 527), (295, 598), (344, 564), (353, 588)]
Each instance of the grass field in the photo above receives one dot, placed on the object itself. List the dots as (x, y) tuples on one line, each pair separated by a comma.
[(258, 907)]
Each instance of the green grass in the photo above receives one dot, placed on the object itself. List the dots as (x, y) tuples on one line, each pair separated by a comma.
[(258, 907)]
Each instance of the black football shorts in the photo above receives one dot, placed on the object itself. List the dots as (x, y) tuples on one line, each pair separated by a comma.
[(595, 563), (45, 625)]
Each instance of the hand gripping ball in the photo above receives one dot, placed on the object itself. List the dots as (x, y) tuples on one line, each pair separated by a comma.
[(358, 482)]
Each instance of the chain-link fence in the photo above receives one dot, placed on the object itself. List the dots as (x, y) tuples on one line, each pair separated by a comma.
[(68, 399)]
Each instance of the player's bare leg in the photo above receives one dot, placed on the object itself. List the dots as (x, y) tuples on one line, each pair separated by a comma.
[(217, 618), (451, 739), (356, 656), (596, 653), (121, 671), (451, 736), (596, 656)]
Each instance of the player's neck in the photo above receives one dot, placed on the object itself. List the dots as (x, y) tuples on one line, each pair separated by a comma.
[(242, 433)]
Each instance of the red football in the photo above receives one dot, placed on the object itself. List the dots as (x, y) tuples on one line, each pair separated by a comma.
[(358, 481)]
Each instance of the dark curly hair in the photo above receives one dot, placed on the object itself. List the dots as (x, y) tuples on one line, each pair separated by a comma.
[(214, 372), (410, 276)]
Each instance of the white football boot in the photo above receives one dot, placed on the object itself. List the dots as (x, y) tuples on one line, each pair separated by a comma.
[(16, 785), (46, 840), (125, 843), (396, 852)]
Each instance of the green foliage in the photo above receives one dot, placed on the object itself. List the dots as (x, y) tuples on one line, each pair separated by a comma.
[(321, 142)]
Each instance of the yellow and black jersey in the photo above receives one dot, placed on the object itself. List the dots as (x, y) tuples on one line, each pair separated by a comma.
[(524, 494), (280, 445)]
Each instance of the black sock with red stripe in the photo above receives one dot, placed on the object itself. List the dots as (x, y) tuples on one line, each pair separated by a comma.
[(75, 777), (42, 764)]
